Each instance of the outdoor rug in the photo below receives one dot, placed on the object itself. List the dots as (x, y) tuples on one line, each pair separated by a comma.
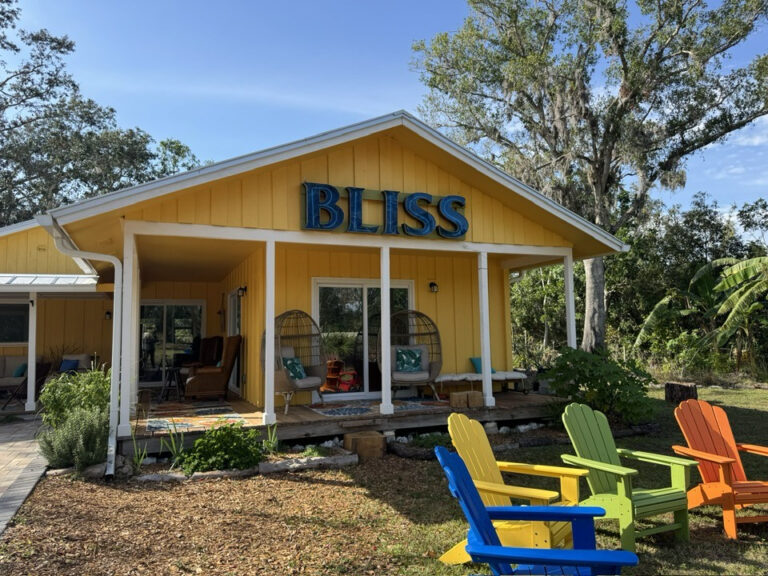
[(371, 407), (190, 415)]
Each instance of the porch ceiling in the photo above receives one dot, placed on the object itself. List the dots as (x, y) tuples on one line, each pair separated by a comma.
[(167, 258)]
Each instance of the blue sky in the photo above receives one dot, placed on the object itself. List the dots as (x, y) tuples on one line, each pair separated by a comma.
[(228, 78)]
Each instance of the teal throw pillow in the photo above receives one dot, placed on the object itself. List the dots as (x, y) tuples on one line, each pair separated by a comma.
[(21, 369), (477, 364), (295, 368), (408, 359)]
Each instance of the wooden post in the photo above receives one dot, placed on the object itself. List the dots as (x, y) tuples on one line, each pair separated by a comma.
[(386, 406), (269, 334)]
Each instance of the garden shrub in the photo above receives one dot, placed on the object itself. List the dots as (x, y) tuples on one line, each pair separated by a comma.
[(430, 440), (224, 447), (61, 395), (616, 389), (79, 441)]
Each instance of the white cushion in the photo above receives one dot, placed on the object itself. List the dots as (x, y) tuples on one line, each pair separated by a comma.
[(308, 382), (9, 382), (11, 363), (422, 376)]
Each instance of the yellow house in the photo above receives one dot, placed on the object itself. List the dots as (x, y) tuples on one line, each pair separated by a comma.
[(382, 214)]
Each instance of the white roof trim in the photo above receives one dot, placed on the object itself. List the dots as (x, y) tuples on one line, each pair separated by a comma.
[(122, 198), (48, 283), (18, 227)]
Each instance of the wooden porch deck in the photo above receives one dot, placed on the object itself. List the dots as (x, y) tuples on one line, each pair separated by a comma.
[(303, 422)]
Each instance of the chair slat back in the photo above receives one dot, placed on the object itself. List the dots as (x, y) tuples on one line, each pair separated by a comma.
[(591, 438), (706, 428), (470, 441), (481, 529)]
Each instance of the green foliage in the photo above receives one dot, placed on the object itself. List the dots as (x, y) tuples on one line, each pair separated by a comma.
[(616, 389), (271, 444), (139, 452), (173, 444), (431, 440), (315, 451), (61, 395), (79, 441), (225, 447)]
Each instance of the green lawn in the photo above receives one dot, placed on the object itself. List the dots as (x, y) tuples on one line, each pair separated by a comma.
[(387, 516), (709, 552)]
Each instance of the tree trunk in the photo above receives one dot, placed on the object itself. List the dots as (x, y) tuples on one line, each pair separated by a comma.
[(594, 305)]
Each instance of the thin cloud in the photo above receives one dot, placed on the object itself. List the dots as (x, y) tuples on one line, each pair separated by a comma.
[(754, 135)]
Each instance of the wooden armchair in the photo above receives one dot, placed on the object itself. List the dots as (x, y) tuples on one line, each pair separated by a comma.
[(212, 381), (472, 444), (724, 481), (483, 544), (611, 483)]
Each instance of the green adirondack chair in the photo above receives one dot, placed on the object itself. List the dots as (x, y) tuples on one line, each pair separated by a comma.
[(611, 483)]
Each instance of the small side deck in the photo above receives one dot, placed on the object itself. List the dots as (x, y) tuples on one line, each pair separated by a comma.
[(329, 419)]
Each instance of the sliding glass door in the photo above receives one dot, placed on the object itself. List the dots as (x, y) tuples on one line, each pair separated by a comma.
[(349, 315), (170, 335)]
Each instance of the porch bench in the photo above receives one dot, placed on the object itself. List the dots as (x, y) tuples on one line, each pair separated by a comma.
[(472, 377)]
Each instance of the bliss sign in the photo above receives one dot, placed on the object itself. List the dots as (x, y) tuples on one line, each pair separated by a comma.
[(323, 212)]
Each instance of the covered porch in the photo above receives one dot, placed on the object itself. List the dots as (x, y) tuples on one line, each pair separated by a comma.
[(244, 277)]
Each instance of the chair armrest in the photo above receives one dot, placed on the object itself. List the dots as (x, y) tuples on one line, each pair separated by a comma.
[(519, 492), (699, 455), (753, 449), (595, 465), (553, 557), (541, 470), (656, 458), (544, 513)]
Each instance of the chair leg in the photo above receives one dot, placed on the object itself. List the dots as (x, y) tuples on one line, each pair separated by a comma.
[(729, 520), (287, 396), (682, 533), (627, 531)]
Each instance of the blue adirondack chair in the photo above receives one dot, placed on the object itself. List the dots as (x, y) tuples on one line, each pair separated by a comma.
[(483, 543)]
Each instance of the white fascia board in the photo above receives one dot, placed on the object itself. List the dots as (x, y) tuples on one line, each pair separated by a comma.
[(18, 227), (122, 198), (47, 221)]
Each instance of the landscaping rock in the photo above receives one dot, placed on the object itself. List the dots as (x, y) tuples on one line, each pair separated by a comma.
[(95, 471), (161, 477), (60, 471), (315, 462), (491, 428), (213, 474)]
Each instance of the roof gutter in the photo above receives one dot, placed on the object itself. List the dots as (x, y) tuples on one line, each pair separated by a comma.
[(65, 245)]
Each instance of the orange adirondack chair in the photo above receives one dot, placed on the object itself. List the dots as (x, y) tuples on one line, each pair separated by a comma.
[(724, 483)]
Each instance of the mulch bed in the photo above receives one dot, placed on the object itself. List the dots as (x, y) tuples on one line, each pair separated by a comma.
[(319, 522)]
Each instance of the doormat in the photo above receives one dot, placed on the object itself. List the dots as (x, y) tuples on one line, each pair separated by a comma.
[(366, 407)]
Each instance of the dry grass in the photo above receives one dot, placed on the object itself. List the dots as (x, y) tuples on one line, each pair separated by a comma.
[(392, 516)]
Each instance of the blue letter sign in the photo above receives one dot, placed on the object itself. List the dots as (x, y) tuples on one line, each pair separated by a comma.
[(322, 212), (328, 203)]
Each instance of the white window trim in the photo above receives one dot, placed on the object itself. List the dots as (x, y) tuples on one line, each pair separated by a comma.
[(364, 283)]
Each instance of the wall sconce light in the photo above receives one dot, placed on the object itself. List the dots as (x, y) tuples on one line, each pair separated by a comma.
[(434, 288), (241, 291), (108, 315)]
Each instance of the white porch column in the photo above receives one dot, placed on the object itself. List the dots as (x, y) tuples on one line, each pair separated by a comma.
[(485, 329), (269, 344), (570, 304), (129, 357), (386, 406), (31, 404)]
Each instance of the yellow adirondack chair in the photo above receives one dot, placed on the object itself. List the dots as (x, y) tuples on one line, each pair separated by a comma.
[(472, 444)]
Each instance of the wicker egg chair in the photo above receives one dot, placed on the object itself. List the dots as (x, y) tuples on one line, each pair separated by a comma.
[(413, 330), (298, 336)]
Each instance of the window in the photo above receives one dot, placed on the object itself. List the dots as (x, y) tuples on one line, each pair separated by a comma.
[(14, 323)]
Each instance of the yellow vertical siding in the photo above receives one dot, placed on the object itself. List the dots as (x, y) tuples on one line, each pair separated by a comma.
[(32, 252)]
